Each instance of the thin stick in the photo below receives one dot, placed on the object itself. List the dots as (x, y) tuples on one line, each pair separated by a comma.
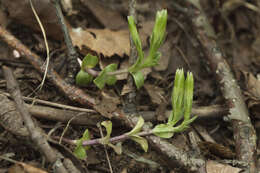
[(72, 53), (57, 105), (46, 45)]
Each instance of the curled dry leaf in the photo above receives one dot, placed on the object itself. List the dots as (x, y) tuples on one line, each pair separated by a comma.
[(253, 85), (103, 13), (156, 93), (21, 167), (102, 41), (215, 167)]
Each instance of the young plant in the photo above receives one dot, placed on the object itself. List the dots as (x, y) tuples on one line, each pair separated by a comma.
[(182, 96), (108, 74)]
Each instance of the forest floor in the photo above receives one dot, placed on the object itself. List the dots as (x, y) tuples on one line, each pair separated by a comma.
[(219, 140)]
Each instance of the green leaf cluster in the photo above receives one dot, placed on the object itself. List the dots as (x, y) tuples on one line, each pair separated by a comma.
[(133, 134), (158, 35), (182, 96), (83, 78), (156, 40)]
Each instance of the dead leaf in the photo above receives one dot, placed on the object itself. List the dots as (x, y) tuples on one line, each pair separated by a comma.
[(20, 167), (21, 11), (126, 89), (104, 14), (253, 85), (108, 103), (156, 93), (215, 149), (102, 41), (215, 167)]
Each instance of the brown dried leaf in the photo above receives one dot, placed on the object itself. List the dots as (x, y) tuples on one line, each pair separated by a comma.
[(216, 149), (108, 103), (103, 13), (21, 11), (20, 167), (215, 167), (156, 94), (253, 85), (102, 41)]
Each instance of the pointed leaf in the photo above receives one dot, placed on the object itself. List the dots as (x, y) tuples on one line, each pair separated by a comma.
[(140, 140), (159, 32), (100, 81), (111, 80), (188, 96), (89, 61), (138, 78), (159, 29), (108, 127), (138, 127), (177, 97), (80, 152), (117, 148), (83, 78), (137, 42), (103, 78), (163, 131)]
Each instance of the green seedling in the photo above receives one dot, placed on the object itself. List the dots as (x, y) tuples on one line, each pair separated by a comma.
[(108, 74), (182, 96)]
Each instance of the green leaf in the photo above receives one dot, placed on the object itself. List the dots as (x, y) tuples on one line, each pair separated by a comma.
[(83, 78), (80, 151), (111, 80), (117, 148), (159, 30), (108, 126), (177, 97), (138, 78), (152, 60), (138, 127), (138, 44), (140, 140), (188, 96), (89, 61), (103, 78), (163, 130)]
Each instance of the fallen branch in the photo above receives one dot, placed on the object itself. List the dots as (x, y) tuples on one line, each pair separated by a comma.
[(36, 134), (244, 132)]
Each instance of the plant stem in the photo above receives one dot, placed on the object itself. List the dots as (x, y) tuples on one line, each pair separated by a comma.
[(72, 53), (116, 138), (98, 140), (95, 73)]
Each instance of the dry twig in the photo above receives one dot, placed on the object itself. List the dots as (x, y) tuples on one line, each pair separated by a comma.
[(244, 132), (36, 133)]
